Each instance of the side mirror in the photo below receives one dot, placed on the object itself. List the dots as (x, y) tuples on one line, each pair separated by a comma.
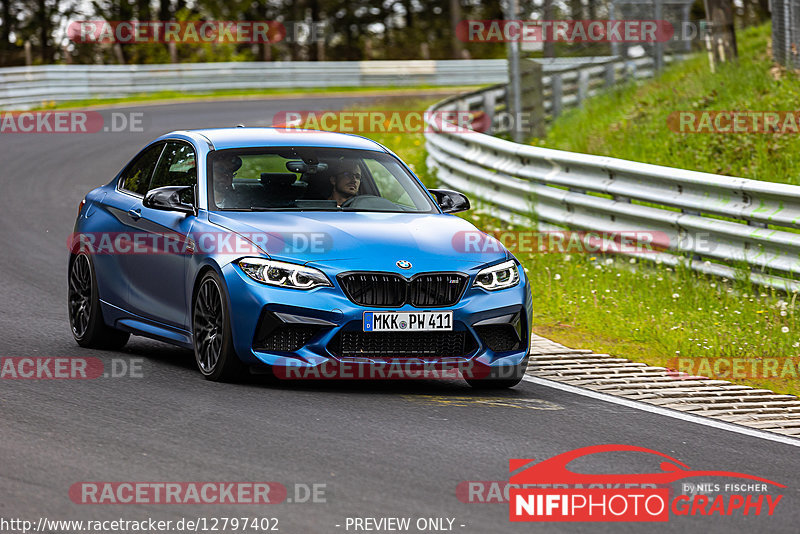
[(450, 201), (168, 198)]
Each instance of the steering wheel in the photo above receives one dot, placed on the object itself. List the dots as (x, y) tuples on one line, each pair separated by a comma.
[(365, 201)]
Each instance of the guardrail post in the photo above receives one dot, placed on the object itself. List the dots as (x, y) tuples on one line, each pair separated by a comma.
[(658, 45), (583, 85), (489, 103), (610, 74), (558, 94), (532, 112)]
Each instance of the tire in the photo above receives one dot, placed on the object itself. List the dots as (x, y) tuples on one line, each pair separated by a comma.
[(85, 316), (212, 337), (500, 378)]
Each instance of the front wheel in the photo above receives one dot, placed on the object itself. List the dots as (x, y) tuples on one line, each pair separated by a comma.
[(211, 328), (85, 316)]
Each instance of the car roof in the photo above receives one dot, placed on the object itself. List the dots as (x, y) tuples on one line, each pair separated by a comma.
[(224, 138)]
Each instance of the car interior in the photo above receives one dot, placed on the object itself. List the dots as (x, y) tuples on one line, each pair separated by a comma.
[(301, 183)]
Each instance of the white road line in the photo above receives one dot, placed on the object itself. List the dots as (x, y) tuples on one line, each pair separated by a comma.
[(722, 425)]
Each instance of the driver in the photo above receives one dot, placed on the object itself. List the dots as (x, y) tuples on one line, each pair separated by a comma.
[(224, 169), (346, 181)]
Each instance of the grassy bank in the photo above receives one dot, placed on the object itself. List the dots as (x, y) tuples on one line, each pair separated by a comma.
[(631, 123), (650, 313)]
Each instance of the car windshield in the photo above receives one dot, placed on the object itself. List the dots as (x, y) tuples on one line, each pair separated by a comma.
[(312, 179)]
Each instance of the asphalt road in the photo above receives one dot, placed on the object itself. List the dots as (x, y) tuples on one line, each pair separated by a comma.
[(381, 450)]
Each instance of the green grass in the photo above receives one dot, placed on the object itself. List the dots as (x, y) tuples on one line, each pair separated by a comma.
[(167, 96), (643, 311), (631, 122)]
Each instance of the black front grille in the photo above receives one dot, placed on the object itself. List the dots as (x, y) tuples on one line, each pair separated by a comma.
[(499, 337), (375, 289), (402, 344), (437, 289), (388, 290)]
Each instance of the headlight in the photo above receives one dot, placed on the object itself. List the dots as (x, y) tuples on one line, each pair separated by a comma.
[(278, 273), (497, 277)]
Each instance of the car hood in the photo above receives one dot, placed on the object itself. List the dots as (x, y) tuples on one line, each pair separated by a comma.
[(366, 241)]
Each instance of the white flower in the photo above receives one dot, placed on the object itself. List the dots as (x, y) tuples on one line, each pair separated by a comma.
[(557, 277), (785, 329), (632, 260), (609, 261), (675, 295)]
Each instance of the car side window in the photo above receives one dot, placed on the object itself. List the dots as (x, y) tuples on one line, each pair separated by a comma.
[(178, 166), (136, 176)]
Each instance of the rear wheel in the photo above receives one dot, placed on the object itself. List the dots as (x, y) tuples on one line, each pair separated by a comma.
[(213, 341), (85, 315)]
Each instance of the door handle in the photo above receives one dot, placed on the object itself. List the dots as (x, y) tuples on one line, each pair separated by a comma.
[(135, 213)]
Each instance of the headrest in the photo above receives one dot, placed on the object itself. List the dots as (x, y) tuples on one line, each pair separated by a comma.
[(277, 179), (230, 161)]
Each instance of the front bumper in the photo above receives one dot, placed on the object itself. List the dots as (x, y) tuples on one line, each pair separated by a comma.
[(313, 324)]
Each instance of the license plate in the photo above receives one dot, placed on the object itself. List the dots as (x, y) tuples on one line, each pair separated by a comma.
[(407, 321)]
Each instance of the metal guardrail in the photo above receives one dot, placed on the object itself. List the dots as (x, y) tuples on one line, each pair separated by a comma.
[(715, 224), (26, 87), (566, 82)]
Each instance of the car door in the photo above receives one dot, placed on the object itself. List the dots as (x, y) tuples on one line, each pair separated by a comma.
[(157, 278), (113, 224)]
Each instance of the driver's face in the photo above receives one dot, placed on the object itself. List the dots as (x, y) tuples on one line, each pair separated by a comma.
[(348, 181)]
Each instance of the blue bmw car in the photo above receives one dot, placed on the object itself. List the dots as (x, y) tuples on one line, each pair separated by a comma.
[(264, 250)]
